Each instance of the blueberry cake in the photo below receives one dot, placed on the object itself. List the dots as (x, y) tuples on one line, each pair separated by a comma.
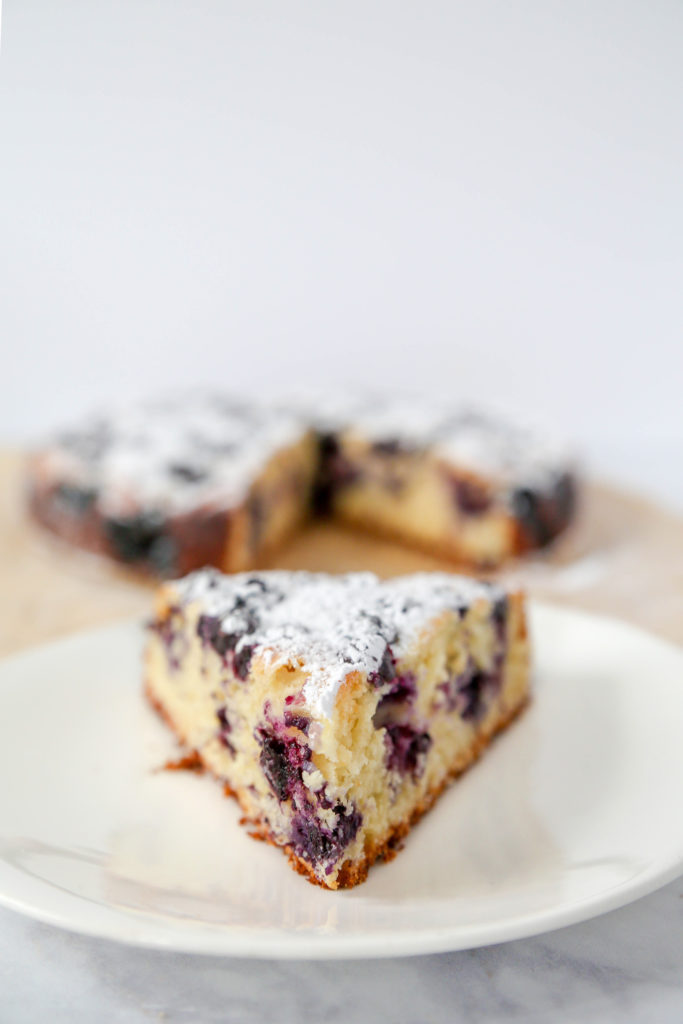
[(336, 708), (461, 484), (170, 486), (175, 485)]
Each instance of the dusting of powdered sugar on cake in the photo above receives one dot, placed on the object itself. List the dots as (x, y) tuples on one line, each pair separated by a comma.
[(330, 625), (175, 454), (511, 455)]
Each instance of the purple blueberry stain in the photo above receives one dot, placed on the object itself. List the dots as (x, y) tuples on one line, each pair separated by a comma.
[(173, 641), (283, 760), (334, 473), (406, 749), (406, 744), (499, 616), (209, 630), (470, 696), (543, 513), (386, 670), (242, 660), (142, 539), (452, 689), (225, 644), (470, 692), (276, 767), (315, 842), (528, 510), (294, 721), (472, 498), (225, 729), (396, 701)]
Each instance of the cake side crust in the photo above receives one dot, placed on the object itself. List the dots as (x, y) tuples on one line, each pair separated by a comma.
[(158, 543)]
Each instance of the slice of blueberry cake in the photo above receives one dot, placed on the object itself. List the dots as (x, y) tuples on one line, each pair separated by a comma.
[(173, 485), (336, 708), (461, 484)]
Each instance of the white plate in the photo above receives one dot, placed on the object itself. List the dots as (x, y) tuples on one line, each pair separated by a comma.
[(574, 811)]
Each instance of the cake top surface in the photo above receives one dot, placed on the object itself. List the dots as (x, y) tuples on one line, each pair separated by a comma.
[(330, 625), (465, 438), (484, 442), (173, 454)]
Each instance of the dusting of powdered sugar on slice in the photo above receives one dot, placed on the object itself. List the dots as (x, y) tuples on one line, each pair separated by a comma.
[(175, 454), (330, 626)]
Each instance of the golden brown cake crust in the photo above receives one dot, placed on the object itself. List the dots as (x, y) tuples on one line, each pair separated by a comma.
[(199, 537), (171, 541)]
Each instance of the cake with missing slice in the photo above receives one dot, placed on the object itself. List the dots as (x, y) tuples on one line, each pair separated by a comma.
[(336, 708), (170, 486)]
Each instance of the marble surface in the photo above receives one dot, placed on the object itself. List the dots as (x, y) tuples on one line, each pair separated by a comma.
[(626, 965)]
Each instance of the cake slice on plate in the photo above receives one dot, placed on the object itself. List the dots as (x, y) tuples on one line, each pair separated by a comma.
[(336, 708)]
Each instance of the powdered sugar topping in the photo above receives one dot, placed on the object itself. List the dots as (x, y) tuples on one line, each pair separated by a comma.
[(329, 625), (467, 439), (174, 454)]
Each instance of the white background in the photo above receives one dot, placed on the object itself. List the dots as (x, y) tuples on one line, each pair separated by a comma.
[(480, 198)]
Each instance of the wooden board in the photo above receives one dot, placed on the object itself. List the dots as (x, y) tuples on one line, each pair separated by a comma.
[(624, 557)]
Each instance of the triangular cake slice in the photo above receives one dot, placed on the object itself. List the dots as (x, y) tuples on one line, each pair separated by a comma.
[(336, 708)]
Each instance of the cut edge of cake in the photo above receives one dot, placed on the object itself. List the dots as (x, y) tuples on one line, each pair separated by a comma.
[(471, 489)]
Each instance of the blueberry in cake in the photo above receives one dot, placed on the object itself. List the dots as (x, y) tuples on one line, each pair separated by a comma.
[(169, 486), (461, 484), (174, 485), (336, 708)]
